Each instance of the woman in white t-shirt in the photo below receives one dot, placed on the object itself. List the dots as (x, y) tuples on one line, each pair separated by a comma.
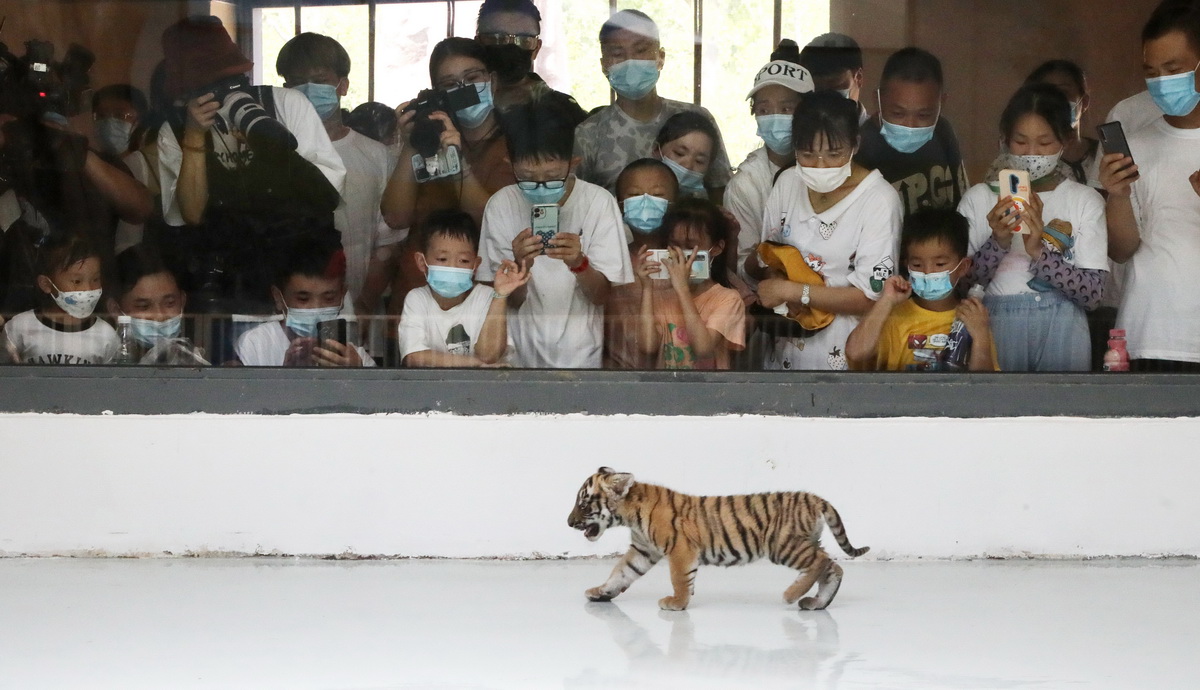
[(845, 222), (1039, 284)]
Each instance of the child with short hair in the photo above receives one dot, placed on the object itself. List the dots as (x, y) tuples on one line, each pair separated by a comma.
[(453, 321), (908, 328), (646, 188), (64, 330), (148, 292), (697, 326), (309, 288), (559, 312)]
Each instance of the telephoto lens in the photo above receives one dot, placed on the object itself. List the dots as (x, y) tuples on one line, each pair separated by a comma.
[(243, 113)]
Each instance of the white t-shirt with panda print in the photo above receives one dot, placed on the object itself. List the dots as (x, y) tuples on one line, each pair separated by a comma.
[(38, 340), (853, 243)]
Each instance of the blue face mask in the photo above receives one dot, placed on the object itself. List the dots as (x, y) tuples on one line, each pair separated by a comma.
[(303, 322), (149, 332), (776, 132), (450, 282), (932, 286), (473, 116), (690, 181), (905, 139), (323, 97), (644, 213), (633, 79), (1175, 94), (541, 195)]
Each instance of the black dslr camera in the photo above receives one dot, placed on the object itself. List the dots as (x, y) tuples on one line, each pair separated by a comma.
[(43, 85), (430, 162), (241, 110)]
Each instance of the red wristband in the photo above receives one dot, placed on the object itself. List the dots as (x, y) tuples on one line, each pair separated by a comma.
[(583, 266)]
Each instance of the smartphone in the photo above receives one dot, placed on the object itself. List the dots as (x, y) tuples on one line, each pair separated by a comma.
[(334, 329), (1015, 183), (700, 267), (1112, 137), (544, 221)]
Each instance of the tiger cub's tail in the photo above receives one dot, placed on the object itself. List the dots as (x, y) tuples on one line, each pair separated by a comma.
[(834, 522)]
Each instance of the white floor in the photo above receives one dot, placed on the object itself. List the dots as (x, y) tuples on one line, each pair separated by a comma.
[(274, 623)]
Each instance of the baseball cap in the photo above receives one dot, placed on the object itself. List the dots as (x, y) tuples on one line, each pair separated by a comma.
[(786, 74)]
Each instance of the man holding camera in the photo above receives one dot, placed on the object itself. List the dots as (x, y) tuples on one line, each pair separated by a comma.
[(250, 170)]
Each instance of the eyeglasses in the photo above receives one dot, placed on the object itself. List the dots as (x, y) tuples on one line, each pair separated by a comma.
[(523, 41), (530, 185), (469, 77), (808, 158), (127, 117)]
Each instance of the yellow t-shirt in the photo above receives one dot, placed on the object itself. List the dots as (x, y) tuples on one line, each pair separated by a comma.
[(915, 339)]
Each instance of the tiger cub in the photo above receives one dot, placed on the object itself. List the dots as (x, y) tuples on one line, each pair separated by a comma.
[(710, 530)]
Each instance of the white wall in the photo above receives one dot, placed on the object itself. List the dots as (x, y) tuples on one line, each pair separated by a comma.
[(495, 486)]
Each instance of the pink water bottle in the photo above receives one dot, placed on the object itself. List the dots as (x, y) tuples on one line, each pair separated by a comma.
[(1117, 357)]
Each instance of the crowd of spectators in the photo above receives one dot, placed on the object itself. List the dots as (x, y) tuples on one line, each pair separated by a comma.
[(489, 221)]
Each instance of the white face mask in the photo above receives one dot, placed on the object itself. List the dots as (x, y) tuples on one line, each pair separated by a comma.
[(79, 303), (1040, 166), (824, 180)]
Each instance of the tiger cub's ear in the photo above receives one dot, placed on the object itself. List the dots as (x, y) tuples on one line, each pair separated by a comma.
[(619, 483), (605, 470)]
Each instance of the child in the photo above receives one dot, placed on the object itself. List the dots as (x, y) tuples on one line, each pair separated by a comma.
[(697, 326), (559, 319), (686, 143), (903, 334), (148, 291), (453, 322), (309, 288), (63, 330), (646, 188)]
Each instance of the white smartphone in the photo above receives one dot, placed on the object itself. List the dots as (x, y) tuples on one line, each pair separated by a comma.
[(700, 267)]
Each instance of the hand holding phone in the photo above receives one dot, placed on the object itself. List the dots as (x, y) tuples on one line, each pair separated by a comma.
[(334, 329), (1115, 175), (1015, 184)]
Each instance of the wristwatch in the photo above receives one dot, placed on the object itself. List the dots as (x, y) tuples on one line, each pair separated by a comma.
[(804, 294)]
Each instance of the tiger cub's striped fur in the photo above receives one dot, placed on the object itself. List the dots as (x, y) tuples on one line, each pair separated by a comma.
[(691, 531)]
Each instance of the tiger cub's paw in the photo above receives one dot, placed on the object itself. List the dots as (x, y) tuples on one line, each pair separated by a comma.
[(810, 604), (597, 594), (672, 604)]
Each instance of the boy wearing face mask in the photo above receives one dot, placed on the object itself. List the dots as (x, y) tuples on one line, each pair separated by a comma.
[(909, 141), (646, 189), (452, 321), (632, 58), (64, 330), (835, 63), (319, 67), (559, 314), (908, 328), (309, 288)]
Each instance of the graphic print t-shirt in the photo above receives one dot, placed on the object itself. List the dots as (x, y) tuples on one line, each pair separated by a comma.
[(933, 176)]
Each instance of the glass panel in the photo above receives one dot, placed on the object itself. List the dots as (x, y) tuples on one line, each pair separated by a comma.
[(278, 26), (350, 26), (466, 13), (405, 35), (735, 46), (804, 20), (579, 39)]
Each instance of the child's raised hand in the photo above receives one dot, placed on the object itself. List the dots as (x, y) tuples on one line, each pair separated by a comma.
[(334, 354), (526, 246), (509, 277), (974, 316), (679, 267), (566, 247), (643, 267), (896, 289)]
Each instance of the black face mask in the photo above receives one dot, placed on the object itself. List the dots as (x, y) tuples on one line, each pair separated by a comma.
[(510, 62)]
